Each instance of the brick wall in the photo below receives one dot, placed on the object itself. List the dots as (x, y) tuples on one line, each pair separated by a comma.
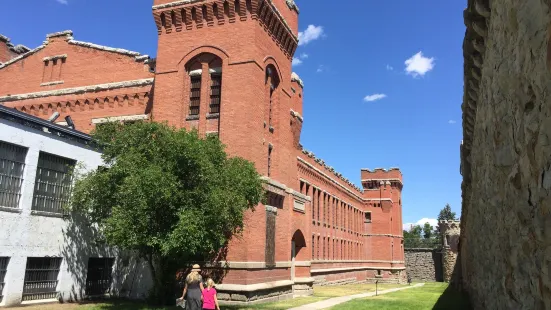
[(240, 43)]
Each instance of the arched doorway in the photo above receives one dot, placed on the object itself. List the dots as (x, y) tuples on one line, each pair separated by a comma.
[(298, 244)]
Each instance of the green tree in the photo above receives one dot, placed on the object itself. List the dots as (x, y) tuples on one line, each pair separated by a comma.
[(428, 231), (446, 214), (166, 194), (414, 232)]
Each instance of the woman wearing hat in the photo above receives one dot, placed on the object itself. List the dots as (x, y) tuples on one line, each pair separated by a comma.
[(193, 289)]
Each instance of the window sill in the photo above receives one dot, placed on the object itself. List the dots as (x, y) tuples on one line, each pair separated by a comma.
[(52, 83), (39, 301), (213, 115), (11, 210), (299, 210), (192, 117), (48, 214)]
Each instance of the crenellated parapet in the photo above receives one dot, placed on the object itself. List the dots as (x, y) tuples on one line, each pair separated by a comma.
[(380, 177), (332, 170), (186, 15)]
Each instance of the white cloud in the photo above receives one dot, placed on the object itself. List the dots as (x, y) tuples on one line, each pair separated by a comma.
[(433, 223), (303, 56), (374, 97), (389, 67), (320, 69), (310, 34), (296, 61), (419, 65), (451, 121), (63, 1)]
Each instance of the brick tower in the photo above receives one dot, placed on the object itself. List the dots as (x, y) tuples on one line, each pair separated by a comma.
[(383, 193), (224, 68)]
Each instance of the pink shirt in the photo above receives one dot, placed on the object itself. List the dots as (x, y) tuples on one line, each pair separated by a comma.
[(208, 298)]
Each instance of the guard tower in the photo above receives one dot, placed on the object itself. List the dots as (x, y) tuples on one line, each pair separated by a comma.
[(449, 230)]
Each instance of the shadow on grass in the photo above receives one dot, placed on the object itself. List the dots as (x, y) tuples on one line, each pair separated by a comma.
[(452, 299)]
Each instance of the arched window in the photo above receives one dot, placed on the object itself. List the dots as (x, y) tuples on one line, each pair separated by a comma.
[(272, 83), (205, 75)]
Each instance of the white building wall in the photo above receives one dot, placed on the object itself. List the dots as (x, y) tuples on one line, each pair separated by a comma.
[(24, 233)]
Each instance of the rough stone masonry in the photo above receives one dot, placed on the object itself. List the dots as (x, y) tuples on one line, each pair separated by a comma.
[(505, 245)]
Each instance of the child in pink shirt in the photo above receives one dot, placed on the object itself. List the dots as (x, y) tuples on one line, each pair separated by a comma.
[(210, 302)]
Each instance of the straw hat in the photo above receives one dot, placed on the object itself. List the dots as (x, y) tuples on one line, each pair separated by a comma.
[(196, 268)]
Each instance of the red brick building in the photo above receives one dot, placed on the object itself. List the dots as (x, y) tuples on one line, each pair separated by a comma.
[(224, 68)]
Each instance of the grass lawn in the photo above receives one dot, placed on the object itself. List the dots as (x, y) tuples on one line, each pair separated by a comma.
[(430, 296), (320, 293)]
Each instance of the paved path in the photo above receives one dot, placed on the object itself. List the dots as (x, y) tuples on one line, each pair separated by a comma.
[(328, 303)]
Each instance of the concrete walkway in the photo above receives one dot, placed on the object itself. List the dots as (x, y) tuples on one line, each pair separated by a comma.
[(328, 303)]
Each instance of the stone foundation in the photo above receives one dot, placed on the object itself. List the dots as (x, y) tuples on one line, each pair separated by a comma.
[(260, 296)]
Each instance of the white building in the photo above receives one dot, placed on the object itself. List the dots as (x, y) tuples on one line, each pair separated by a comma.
[(47, 254)]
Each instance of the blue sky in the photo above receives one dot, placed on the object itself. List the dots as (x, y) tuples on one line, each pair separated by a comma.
[(363, 106)]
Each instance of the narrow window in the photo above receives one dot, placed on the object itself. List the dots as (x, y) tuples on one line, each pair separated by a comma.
[(313, 246), (215, 92), (270, 107), (4, 261), (54, 176), (313, 205), (269, 159), (99, 277), (12, 165), (319, 196), (323, 257), (195, 95), (41, 276), (270, 239), (318, 249)]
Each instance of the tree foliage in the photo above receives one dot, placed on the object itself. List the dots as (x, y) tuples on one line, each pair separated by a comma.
[(446, 214), (166, 194)]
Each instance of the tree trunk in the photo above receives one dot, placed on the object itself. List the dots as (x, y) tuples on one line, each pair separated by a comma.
[(163, 280)]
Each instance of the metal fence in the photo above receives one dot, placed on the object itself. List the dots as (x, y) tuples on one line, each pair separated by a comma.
[(54, 176), (12, 165), (100, 276), (4, 261), (421, 243), (41, 278)]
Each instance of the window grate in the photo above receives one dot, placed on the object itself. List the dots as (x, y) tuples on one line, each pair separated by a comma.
[(54, 176), (195, 95), (100, 276), (4, 261), (215, 93), (12, 166), (41, 278), (270, 239)]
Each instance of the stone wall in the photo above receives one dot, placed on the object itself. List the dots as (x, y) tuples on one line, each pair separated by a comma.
[(505, 245), (424, 264)]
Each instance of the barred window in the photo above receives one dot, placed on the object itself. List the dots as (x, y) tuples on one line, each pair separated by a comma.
[(270, 239), (54, 176), (100, 276), (269, 160), (41, 278), (195, 95), (4, 261), (215, 92), (12, 165)]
